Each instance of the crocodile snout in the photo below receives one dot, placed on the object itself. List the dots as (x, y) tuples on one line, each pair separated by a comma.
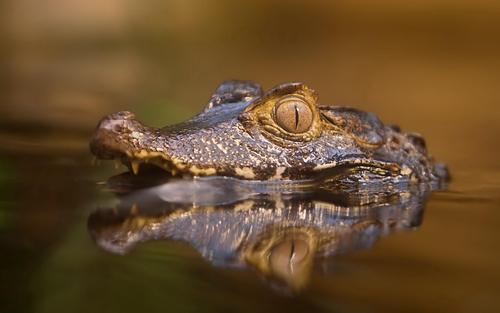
[(110, 139)]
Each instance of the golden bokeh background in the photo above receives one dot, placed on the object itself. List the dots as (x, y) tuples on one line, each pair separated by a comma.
[(431, 66)]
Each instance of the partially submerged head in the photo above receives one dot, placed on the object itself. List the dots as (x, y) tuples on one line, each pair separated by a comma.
[(283, 134)]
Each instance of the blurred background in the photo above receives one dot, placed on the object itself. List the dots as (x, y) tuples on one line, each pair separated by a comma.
[(430, 66)]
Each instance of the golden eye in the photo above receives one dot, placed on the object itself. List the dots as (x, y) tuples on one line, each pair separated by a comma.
[(293, 115), (288, 253)]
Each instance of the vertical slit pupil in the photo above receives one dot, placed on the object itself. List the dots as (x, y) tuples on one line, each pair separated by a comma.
[(296, 116)]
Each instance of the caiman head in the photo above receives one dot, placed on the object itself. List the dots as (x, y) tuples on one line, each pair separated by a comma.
[(283, 134)]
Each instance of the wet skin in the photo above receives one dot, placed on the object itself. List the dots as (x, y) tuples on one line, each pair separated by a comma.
[(282, 135)]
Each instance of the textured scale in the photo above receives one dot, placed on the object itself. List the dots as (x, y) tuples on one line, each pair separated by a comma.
[(238, 135)]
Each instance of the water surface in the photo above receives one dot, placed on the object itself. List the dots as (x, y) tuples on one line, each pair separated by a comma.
[(428, 66), (443, 259)]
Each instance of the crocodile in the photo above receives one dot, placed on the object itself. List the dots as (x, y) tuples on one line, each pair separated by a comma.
[(283, 134)]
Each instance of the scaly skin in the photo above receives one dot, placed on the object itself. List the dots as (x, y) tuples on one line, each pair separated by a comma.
[(238, 135)]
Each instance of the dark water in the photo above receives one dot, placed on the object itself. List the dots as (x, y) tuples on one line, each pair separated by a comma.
[(402, 255), (428, 66)]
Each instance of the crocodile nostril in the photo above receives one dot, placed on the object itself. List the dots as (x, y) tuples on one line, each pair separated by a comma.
[(116, 122), (107, 141), (110, 125), (122, 115)]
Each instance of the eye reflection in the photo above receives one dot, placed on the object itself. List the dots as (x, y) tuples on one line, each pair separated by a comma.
[(287, 254), (293, 115), (290, 261), (281, 245)]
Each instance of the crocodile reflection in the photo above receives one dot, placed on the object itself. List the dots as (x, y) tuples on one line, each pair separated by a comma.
[(281, 234)]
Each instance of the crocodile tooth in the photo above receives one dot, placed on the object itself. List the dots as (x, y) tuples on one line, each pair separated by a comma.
[(135, 167)]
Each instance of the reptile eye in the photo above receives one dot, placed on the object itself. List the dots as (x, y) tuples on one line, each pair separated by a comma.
[(285, 255), (293, 115)]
